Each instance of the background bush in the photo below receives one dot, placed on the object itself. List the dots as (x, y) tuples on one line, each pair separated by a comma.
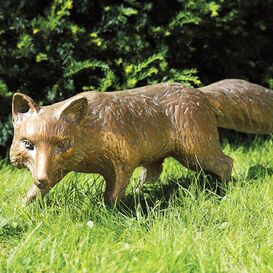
[(51, 50)]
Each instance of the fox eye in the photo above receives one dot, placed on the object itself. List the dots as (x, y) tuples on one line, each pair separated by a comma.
[(63, 145), (28, 145)]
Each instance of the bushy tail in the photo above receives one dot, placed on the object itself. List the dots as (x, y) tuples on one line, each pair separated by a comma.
[(241, 105)]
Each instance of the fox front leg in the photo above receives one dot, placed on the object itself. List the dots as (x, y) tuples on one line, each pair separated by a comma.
[(33, 194), (116, 184)]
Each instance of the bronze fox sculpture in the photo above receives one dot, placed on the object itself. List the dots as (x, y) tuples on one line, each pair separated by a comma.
[(113, 133)]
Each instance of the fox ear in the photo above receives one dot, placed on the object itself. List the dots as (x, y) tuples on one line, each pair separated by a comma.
[(75, 111), (21, 104)]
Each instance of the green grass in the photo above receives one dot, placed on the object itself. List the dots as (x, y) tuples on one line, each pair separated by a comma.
[(179, 224)]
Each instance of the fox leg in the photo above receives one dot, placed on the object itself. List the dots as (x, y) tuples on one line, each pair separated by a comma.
[(215, 163), (149, 172), (116, 185), (199, 146), (219, 165), (34, 193)]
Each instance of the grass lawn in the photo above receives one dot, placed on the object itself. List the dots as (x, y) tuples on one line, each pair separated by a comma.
[(178, 224)]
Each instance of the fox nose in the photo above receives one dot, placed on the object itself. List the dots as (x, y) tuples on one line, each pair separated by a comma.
[(41, 183), (41, 168)]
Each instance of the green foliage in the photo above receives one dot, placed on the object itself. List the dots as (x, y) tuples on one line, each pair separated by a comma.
[(168, 227), (51, 50), (6, 131), (270, 83), (107, 80), (4, 89)]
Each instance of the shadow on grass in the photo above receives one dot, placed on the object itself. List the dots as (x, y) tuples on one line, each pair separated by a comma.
[(76, 197), (259, 172), (158, 194), (10, 229), (149, 196), (238, 139)]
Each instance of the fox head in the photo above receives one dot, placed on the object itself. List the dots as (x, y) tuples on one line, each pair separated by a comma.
[(46, 138)]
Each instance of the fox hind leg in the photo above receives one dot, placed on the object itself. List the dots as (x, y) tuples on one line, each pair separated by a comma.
[(199, 148), (222, 167), (219, 165), (213, 162)]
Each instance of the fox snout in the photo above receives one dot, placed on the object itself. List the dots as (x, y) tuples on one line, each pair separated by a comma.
[(41, 172), (42, 181)]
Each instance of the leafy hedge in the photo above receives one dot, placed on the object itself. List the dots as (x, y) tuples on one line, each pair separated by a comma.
[(54, 49)]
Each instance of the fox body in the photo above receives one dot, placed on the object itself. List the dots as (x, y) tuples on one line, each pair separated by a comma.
[(113, 133)]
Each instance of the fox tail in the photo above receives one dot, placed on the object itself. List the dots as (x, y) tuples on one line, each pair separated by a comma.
[(241, 105)]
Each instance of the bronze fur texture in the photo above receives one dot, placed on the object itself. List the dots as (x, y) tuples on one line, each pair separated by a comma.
[(113, 133)]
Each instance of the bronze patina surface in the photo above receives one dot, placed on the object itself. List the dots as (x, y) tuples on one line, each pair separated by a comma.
[(113, 133)]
